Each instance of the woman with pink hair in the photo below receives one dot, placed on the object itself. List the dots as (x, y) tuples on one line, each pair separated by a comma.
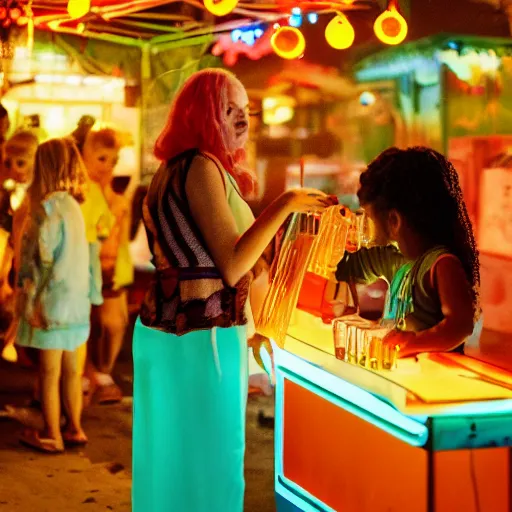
[(190, 343)]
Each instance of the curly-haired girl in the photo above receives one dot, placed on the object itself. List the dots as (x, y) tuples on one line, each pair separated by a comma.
[(425, 249)]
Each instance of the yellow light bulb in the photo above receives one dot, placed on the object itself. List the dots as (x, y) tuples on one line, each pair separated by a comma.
[(221, 7), (288, 43), (78, 8), (390, 27), (339, 33)]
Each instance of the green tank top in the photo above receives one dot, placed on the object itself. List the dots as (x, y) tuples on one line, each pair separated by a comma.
[(408, 303), (244, 218), (240, 209)]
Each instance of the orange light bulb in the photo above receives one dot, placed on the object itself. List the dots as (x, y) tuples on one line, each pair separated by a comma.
[(78, 8), (220, 7), (288, 43), (390, 27), (339, 33)]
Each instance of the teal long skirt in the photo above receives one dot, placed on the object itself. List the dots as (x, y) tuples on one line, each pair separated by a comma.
[(189, 403)]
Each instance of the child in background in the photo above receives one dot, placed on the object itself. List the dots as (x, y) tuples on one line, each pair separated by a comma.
[(100, 153), (5, 124), (98, 223), (53, 296), (18, 155), (414, 199)]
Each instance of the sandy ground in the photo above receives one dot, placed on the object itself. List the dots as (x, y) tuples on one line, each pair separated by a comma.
[(99, 477)]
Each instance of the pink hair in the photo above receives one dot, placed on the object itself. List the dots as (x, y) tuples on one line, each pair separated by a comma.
[(196, 121)]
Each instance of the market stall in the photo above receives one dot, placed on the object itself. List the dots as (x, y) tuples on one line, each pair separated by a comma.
[(432, 435), (358, 429)]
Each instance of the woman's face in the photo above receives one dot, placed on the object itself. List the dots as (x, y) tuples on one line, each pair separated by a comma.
[(236, 116), (100, 163)]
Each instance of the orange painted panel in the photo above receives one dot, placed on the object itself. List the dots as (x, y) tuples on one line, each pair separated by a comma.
[(349, 464), (353, 466), (455, 486)]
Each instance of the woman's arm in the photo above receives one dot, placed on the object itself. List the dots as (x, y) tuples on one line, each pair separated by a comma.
[(233, 254), (457, 306)]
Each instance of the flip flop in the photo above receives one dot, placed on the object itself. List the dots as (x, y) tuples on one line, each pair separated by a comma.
[(89, 387), (27, 416), (32, 439), (109, 394), (73, 440)]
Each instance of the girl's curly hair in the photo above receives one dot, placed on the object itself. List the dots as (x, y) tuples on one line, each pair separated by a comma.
[(423, 186)]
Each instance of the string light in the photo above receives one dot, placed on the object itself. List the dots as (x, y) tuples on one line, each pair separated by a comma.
[(390, 27), (247, 35), (312, 17), (78, 8), (295, 20), (220, 8), (367, 98), (339, 33), (288, 42)]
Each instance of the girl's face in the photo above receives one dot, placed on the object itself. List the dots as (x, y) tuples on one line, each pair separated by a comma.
[(387, 225), (18, 163), (100, 163), (236, 116)]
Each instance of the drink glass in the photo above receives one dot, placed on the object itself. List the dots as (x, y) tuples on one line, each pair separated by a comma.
[(340, 339)]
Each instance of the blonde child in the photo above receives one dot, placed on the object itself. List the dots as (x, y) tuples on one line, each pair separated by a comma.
[(100, 153), (53, 297)]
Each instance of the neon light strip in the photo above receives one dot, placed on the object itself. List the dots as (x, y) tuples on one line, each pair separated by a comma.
[(55, 26), (116, 10), (297, 500), (351, 398), (292, 492)]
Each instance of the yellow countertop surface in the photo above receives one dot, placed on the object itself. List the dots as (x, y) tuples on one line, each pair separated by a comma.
[(423, 383)]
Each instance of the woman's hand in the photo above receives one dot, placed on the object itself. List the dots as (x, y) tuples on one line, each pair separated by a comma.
[(257, 342), (302, 200)]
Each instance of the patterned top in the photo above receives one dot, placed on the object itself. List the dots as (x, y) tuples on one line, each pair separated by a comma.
[(187, 293)]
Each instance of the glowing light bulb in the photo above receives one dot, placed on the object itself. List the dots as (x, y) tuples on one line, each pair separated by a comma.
[(367, 98), (295, 20), (236, 35), (390, 27), (339, 33), (78, 8), (221, 7), (288, 43), (15, 13), (312, 17)]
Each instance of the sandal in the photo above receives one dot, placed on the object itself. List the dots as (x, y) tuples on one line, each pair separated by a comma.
[(28, 416), (109, 394), (89, 387), (32, 439), (74, 439)]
